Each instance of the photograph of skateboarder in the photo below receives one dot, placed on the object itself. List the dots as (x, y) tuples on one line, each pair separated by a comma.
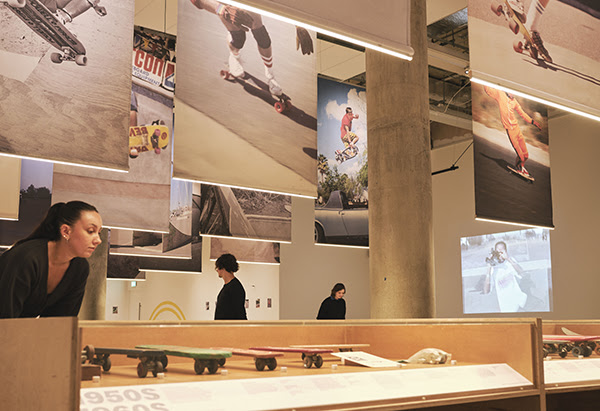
[(507, 104), (348, 137), (232, 297), (67, 10), (238, 22), (45, 273), (334, 306)]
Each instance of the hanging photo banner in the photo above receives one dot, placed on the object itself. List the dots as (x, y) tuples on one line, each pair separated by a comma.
[(341, 209), (246, 101), (550, 57), (511, 156), (66, 81), (10, 169), (234, 212), (176, 244), (245, 251), (139, 199), (507, 272), (35, 199), (387, 25)]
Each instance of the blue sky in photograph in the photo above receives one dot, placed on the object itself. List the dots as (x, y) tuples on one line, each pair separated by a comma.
[(38, 173)]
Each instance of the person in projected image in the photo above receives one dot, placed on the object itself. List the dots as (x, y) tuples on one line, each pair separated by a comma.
[(505, 276)]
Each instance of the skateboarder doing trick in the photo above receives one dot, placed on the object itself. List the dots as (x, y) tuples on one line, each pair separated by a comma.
[(67, 10), (238, 22), (507, 104), (348, 137)]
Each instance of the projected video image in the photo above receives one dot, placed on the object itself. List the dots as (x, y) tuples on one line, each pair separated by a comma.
[(507, 272)]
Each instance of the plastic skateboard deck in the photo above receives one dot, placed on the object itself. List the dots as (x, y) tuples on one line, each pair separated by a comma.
[(310, 356), (517, 25), (154, 361), (47, 26), (525, 177), (203, 358), (260, 89), (262, 359), (147, 138), (345, 154)]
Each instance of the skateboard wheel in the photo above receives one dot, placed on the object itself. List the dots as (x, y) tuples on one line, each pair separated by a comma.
[(157, 150), (318, 361), (514, 26), (225, 74), (279, 107), (89, 352), (272, 363), (576, 351), (496, 8), (221, 362), (308, 362), (106, 364), (303, 356), (518, 46), (199, 366), (158, 368), (212, 366), (17, 4), (56, 58), (587, 351), (164, 360), (597, 350), (81, 60), (562, 352), (142, 370), (260, 364)]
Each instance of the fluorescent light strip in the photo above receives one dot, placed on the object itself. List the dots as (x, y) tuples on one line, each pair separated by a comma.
[(5, 246), (125, 279), (511, 223), (537, 99), (170, 272), (64, 162), (243, 188), (152, 256), (249, 262), (342, 246), (135, 229), (319, 29), (246, 239), (9, 219)]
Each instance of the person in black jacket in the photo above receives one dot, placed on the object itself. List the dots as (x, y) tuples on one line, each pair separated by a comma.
[(334, 306), (45, 274), (232, 297)]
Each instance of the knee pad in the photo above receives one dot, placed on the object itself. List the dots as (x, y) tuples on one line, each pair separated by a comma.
[(238, 38), (262, 37)]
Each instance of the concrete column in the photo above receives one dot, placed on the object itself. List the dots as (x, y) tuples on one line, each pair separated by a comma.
[(400, 199), (94, 300)]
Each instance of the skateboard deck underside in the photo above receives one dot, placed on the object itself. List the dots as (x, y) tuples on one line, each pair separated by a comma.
[(190, 352)]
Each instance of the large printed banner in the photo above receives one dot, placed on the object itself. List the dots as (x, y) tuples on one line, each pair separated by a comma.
[(246, 101), (554, 55), (66, 80), (139, 199), (35, 198), (512, 161), (234, 212), (260, 252), (10, 169), (341, 210)]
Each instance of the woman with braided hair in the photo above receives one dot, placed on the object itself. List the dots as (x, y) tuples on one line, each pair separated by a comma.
[(45, 273)]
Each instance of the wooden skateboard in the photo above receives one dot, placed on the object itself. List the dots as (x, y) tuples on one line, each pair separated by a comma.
[(147, 138), (47, 25), (345, 154), (340, 347), (310, 356), (203, 358), (516, 19), (262, 359), (260, 89), (525, 177), (154, 361), (578, 345)]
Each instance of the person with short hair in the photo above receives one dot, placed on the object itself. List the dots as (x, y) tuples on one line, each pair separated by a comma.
[(232, 297), (45, 273), (334, 306)]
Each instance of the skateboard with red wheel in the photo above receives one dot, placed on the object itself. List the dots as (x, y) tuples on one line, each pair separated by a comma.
[(48, 26), (514, 13), (577, 345), (254, 86)]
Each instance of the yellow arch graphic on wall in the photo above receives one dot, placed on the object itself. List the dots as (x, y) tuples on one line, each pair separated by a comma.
[(167, 306)]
